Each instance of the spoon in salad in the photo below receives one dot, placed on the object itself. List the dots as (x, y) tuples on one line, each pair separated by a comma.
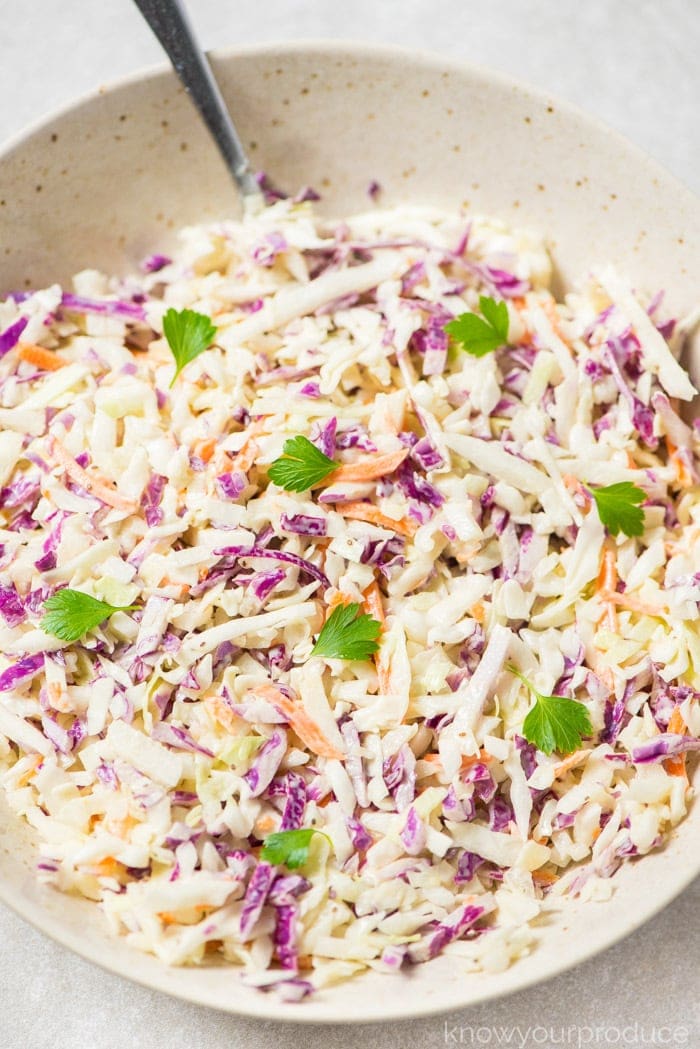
[(168, 20)]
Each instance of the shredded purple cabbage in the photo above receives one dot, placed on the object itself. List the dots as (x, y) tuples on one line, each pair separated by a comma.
[(275, 555), (303, 524), (231, 484), (295, 806), (467, 866), (11, 607), (445, 932), (11, 336), (23, 670), (177, 737), (414, 833), (109, 307), (266, 763), (258, 887)]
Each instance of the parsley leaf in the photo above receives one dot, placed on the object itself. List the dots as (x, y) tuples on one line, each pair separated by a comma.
[(301, 466), (290, 847), (348, 635), (554, 722), (619, 509), (70, 614), (481, 336), (188, 334)]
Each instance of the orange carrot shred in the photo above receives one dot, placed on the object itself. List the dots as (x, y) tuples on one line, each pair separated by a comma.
[(373, 604), (544, 877), (683, 474), (337, 599), (205, 448), (369, 469), (676, 766), (306, 729), (373, 515), (607, 581), (46, 360), (99, 486)]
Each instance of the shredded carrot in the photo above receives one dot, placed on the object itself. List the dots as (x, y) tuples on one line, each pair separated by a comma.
[(222, 713), (520, 304), (93, 482), (47, 360), (335, 600), (372, 515), (59, 698), (369, 469), (570, 762), (550, 309), (249, 450), (383, 674), (607, 581), (683, 474), (186, 918), (120, 827), (306, 729), (605, 674), (478, 612), (596, 833), (264, 825), (205, 448), (183, 588), (676, 766), (676, 723), (544, 877), (475, 759), (373, 604), (106, 868), (247, 456)]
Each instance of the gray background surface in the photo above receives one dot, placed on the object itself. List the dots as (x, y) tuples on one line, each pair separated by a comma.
[(634, 64)]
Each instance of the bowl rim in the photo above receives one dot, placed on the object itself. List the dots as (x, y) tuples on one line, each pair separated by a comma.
[(258, 1006), (352, 46)]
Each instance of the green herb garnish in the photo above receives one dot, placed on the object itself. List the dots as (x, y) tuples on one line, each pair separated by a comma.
[(554, 722), (348, 635), (70, 614), (619, 507), (301, 465), (481, 335), (290, 847), (188, 334)]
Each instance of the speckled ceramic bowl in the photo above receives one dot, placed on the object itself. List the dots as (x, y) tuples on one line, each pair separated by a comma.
[(109, 180)]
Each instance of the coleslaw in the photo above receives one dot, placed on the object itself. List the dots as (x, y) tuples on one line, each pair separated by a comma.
[(157, 754)]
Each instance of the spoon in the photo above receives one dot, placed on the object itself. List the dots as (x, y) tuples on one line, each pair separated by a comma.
[(168, 20)]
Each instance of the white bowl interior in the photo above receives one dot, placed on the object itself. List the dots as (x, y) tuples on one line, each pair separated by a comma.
[(109, 180)]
